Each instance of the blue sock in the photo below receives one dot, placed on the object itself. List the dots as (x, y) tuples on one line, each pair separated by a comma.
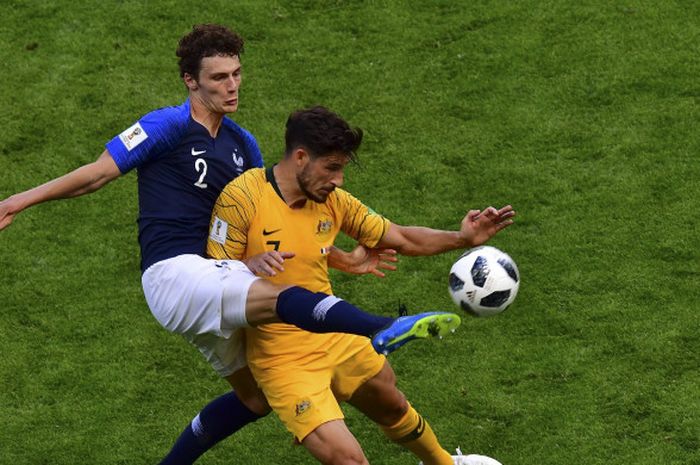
[(323, 313), (218, 420)]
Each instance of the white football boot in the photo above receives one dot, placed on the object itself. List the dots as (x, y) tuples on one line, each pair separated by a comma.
[(472, 459)]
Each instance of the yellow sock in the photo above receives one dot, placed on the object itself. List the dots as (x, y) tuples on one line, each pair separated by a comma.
[(416, 435)]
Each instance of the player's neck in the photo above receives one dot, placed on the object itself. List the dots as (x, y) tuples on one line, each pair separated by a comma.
[(209, 119), (288, 186)]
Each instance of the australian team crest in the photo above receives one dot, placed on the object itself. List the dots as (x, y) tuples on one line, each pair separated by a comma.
[(324, 226), (302, 407)]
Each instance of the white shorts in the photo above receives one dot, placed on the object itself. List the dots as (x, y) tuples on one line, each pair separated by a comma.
[(189, 295)]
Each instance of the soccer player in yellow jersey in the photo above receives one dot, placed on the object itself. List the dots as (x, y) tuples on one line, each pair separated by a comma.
[(298, 206)]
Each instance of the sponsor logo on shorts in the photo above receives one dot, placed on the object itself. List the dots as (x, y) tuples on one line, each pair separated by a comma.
[(133, 136), (302, 407)]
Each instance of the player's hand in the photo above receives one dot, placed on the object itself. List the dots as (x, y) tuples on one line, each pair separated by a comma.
[(7, 213), (480, 226), (268, 263), (363, 260)]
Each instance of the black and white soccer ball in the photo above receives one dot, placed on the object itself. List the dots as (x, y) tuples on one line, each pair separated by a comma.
[(484, 281)]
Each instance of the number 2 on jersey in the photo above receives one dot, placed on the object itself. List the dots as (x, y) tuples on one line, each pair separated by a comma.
[(201, 167)]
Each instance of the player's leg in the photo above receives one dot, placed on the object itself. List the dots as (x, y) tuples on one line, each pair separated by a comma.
[(299, 392), (333, 444), (381, 401), (313, 311), (186, 296), (219, 419), (322, 313)]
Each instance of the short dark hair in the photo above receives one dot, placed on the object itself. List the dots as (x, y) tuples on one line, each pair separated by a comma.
[(206, 40), (321, 132)]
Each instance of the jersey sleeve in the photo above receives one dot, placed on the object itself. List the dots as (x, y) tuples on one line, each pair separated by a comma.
[(233, 213), (153, 134), (359, 221)]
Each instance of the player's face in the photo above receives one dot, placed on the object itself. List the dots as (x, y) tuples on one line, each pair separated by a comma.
[(218, 83), (319, 177)]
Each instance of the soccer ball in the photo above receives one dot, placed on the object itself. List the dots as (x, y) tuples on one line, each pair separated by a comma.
[(484, 281)]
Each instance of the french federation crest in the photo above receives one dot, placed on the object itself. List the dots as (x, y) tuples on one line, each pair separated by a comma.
[(237, 159)]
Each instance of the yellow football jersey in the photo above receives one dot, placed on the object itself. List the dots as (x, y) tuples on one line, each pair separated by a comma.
[(250, 217)]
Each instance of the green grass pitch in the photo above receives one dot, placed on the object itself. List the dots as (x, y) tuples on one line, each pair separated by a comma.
[(583, 115)]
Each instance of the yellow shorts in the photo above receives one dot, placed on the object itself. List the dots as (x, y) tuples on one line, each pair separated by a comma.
[(306, 394)]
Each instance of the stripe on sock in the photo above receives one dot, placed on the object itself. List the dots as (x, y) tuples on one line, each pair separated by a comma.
[(323, 306), (416, 433), (197, 427)]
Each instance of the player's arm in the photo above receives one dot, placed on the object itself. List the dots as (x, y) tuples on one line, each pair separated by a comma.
[(363, 260), (84, 180), (477, 227), (367, 228), (228, 232)]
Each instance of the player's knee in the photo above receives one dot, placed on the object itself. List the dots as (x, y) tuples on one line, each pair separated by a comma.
[(261, 302), (391, 408), (394, 411)]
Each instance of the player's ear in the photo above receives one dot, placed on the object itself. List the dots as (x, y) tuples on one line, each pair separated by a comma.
[(300, 157), (190, 81)]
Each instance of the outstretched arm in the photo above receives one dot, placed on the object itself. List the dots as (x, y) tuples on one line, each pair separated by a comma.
[(477, 228), (84, 180)]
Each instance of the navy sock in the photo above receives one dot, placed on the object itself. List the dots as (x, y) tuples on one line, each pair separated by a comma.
[(323, 313), (218, 420)]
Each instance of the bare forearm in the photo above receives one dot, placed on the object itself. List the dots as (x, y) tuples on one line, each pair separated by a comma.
[(338, 259), (422, 241), (86, 179), (477, 228), (81, 181)]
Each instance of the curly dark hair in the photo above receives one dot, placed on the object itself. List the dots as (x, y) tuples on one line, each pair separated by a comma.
[(321, 132), (206, 40)]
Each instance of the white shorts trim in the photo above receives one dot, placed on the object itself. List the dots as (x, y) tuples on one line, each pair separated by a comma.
[(189, 295)]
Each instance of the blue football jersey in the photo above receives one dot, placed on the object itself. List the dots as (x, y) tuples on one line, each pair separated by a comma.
[(181, 170)]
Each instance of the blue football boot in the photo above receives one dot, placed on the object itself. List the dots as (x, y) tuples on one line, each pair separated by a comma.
[(420, 326)]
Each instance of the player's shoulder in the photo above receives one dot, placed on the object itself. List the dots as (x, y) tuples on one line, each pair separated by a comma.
[(231, 125), (250, 181), (245, 192), (176, 115), (341, 196), (253, 175), (153, 134), (346, 202), (244, 137)]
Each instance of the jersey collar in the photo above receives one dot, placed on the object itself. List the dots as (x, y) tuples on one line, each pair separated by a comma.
[(270, 177)]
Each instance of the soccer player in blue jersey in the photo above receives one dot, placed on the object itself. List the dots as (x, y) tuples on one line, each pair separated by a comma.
[(184, 156)]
